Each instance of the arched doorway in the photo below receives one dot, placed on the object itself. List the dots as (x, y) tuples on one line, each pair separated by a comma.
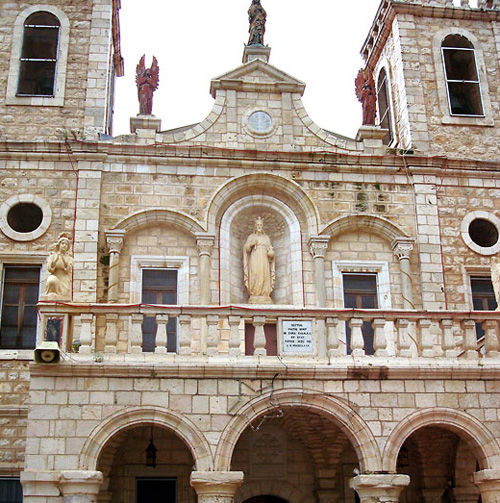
[(130, 477)]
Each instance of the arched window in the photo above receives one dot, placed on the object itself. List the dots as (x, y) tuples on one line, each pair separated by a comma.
[(462, 78), (384, 107), (37, 71)]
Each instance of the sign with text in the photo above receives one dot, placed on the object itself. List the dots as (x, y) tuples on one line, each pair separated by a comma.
[(297, 336)]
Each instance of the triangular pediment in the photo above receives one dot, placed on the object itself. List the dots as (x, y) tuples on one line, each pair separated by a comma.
[(257, 75)]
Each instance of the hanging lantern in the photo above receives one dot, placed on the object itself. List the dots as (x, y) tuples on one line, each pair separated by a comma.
[(151, 451)]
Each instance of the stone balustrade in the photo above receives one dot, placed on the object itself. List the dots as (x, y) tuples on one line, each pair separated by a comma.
[(238, 331)]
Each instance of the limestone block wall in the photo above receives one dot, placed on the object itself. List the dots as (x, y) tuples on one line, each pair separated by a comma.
[(87, 74)]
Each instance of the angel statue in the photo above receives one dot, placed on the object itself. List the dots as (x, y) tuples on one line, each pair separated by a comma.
[(257, 18), (147, 83), (365, 92), (495, 278)]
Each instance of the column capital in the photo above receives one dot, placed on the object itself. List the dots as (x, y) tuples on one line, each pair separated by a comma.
[(216, 483), (114, 240), (40, 483), (488, 482), (80, 482), (402, 247), (377, 488), (205, 243), (318, 246)]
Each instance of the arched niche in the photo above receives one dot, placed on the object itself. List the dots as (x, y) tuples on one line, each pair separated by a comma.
[(283, 229)]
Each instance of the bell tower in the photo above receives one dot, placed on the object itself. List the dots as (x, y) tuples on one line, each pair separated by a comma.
[(435, 65), (58, 67)]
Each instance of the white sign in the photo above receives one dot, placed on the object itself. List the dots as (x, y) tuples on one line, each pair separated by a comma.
[(297, 336)]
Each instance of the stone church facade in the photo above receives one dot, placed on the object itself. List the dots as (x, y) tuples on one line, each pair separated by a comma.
[(371, 374)]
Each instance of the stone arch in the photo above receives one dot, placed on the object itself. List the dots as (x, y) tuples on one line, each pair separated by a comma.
[(287, 191), (294, 250), (157, 215), (467, 427), (379, 225), (137, 416), (280, 488), (351, 424)]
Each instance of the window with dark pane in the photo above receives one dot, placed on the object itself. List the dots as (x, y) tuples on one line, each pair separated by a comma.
[(39, 55), (21, 286), (360, 292), (483, 298), (462, 78), (10, 490), (384, 108), (159, 286)]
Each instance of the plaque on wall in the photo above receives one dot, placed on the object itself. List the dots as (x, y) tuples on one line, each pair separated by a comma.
[(297, 336)]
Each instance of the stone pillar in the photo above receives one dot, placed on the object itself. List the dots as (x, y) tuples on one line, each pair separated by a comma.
[(80, 486), (318, 246), (402, 248), (216, 487), (488, 482), (40, 486), (205, 244), (379, 488), (114, 240)]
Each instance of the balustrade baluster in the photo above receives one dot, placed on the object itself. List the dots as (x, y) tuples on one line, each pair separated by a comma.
[(426, 344), (184, 334), (135, 341), (379, 338), (449, 346), (491, 342), (212, 335), (470, 340), (111, 333), (161, 333), (333, 344), (259, 342), (357, 341), (403, 341), (234, 336), (86, 333)]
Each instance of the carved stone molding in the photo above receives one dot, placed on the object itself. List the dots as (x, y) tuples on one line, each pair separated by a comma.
[(114, 240), (318, 246), (205, 244), (402, 247)]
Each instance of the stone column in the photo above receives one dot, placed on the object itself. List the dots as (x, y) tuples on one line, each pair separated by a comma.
[(216, 487), (114, 240), (402, 248), (80, 486), (318, 246), (40, 486), (488, 482), (379, 488), (205, 244)]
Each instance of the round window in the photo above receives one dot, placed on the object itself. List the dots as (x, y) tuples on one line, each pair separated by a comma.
[(481, 232), (260, 122), (25, 217)]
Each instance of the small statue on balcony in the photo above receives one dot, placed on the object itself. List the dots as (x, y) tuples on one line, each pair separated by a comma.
[(257, 18), (147, 81), (365, 92), (495, 278), (258, 265), (60, 269)]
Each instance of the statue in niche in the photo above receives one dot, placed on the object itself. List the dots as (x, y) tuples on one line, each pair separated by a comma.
[(495, 278), (258, 265), (60, 271), (257, 18), (147, 81), (365, 92)]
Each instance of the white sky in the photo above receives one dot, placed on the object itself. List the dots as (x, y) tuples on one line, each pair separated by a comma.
[(316, 41)]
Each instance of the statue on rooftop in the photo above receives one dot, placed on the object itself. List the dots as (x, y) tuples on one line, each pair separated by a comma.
[(258, 265), (366, 94), (147, 83), (60, 269), (257, 18)]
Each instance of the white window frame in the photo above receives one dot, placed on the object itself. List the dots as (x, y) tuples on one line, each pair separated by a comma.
[(61, 65), (442, 84)]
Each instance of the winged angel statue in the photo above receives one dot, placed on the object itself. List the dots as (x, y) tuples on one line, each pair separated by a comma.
[(147, 83), (365, 92)]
